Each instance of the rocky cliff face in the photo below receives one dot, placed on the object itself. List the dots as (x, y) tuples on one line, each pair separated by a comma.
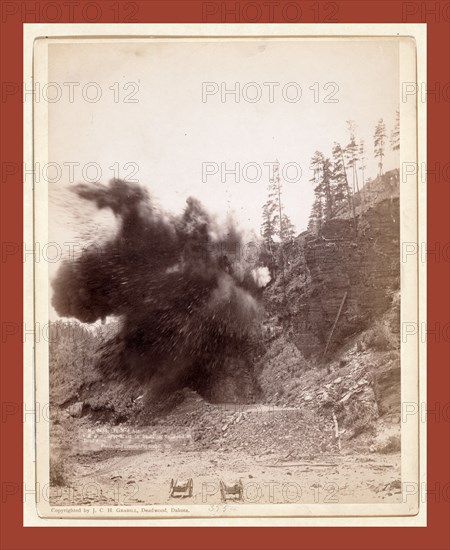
[(362, 264), (358, 379)]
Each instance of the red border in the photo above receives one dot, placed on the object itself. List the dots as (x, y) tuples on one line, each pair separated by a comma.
[(437, 535)]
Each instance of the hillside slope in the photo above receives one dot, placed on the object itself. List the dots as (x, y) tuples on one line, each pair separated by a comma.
[(334, 343)]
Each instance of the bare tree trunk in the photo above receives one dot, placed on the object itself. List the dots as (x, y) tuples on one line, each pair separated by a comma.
[(336, 431), (281, 239), (334, 324), (363, 185), (351, 199), (356, 178)]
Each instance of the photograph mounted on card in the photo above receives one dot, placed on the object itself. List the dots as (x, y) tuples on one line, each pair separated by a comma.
[(228, 279)]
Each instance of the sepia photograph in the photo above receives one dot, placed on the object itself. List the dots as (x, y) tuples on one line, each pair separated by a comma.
[(225, 279)]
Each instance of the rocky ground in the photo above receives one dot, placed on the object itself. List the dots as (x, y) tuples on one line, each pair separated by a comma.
[(281, 454), (322, 433)]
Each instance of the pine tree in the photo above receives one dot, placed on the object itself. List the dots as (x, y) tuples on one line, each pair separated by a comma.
[(276, 223), (341, 191), (322, 180), (288, 231), (395, 133), (267, 227), (362, 164), (326, 182), (341, 188), (317, 167), (316, 217), (282, 223), (379, 143), (351, 152)]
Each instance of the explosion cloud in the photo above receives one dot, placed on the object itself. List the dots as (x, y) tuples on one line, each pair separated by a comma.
[(185, 310)]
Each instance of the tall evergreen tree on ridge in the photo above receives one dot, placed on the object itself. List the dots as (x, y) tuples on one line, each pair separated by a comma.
[(324, 191), (395, 133), (341, 187), (316, 217), (351, 152), (327, 177), (362, 165), (276, 223), (379, 143), (267, 227)]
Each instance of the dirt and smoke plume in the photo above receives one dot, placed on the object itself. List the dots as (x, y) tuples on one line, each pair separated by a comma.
[(186, 310)]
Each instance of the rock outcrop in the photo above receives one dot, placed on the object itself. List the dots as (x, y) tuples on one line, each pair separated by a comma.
[(363, 264)]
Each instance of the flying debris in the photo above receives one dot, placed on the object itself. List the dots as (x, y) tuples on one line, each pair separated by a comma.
[(186, 310)]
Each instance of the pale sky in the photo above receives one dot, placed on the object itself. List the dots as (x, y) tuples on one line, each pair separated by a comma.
[(170, 132)]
